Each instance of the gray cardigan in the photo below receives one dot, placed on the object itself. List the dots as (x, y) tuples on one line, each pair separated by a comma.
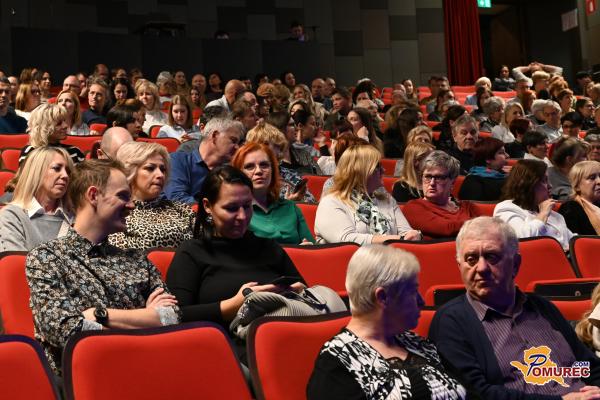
[(18, 232)]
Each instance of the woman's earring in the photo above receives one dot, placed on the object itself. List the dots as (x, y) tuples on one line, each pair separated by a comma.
[(209, 219)]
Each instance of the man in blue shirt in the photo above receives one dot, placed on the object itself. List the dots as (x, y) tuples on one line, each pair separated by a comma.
[(9, 121), (220, 140)]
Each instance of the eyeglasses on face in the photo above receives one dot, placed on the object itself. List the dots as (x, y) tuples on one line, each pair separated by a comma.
[(263, 166), (427, 178)]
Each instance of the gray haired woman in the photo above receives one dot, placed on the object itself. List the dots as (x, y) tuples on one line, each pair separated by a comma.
[(377, 345)]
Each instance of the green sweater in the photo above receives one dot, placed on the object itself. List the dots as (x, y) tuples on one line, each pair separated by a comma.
[(282, 222)]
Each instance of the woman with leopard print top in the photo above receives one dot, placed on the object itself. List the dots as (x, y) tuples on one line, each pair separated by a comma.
[(376, 356), (155, 222)]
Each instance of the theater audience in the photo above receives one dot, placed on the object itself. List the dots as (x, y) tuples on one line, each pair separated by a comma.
[(98, 102), (408, 187), (342, 104), (481, 96), (567, 152), (434, 108), (464, 134), (39, 210), (28, 98), (154, 221), (481, 335), (125, 116), (233, 88), (377, 345), (493, 108), (120, 89), (502, 130), (197, 98), (47, 127), (571, 124), (536, 145), (565, 101), (585, 108), (112, 140), (147, 93), (220, 140), (354, 210), (488, 174), (527, 206), (181, 124), (582, 211), (70, 101), (518, 127), (395, 137), (10, 122), (272, 217), (301, 91), (209, 274), (445, 140), (362, 126), (551, 128), (437, 214), (503, 82), (593, 141)]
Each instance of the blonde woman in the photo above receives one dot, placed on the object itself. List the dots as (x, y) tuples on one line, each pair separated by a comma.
[(354, 210), (47, 126), (29, 96), (408, 186), (502, 130), (154, 222), (588, 328), (147, 93), (38, 211), (582, 211), (70, 101)]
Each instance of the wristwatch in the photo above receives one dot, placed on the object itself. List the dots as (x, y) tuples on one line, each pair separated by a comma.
[(101, 315)]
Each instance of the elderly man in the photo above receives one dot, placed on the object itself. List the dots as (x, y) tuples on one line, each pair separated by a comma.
[(593, 139), (72, 83), (232, 89), (465, 134), (79, 282), (9, 121), (485, 336), (112, 139), (220, 139), (551, 128)]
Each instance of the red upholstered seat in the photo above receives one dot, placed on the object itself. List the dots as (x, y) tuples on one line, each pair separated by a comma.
[(573, 310), (161, 258), (457, 184), (14, 141), (309, 211), (5, 176), (170, 143), (584, 252), (98, 128), (425, 319), (388, 183), (154, 129), (189, 361), (10, 159), (14, 295), (323, 264), (24, 371), (83, 143), (282, 353), (315, 184), (389, 166)]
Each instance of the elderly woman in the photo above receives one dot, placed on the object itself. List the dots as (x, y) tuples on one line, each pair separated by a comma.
[(567, 152), (37, 212), (155, 222), (212, 273), (272, 217), (536, 147), (493, 108), (582, 211), (407, 187), (70, 101), (354, 210), (502, 131), (585, 108), (437, 214), (147, 93), (28, 98), (527, 205), (486, 178), (181, 123), (47, 126), (376, 356)]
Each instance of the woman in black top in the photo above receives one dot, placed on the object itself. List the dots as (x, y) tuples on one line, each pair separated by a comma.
[(582, 211), (211, 274), (486, 178)]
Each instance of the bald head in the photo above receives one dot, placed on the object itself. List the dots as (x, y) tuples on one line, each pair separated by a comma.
[(72, 83), (233, 88), (112, 139)]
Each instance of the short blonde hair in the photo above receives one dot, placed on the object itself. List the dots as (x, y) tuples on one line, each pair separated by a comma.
[(32, 172), (144, 85), (376, 266), (579, 172), (509, 107), (539, 76), (266, 133), (42, 123), (77, 112), (353, 169), (418, 131), (134, 154)]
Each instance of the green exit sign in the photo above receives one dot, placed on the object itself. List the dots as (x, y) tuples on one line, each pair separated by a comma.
[(484, 3)]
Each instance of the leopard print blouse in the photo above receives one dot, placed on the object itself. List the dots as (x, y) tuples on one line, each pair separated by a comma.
[(156, 223)]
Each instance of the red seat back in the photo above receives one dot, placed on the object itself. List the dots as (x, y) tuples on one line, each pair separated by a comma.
[(542, 258), (315, 184), (309, 211), (457, 184), (14, 295), (10, 159), (98, 128), (323, 264), (438, 263), (573, 310), (283, 375), (83, 143), (14, 141), (389, 166), (190, 361), (584, 250), (24, 371), (485, 209), (154, 129), (425, 319), (161, 258), (170, 143), (5, 176), (388, 183)]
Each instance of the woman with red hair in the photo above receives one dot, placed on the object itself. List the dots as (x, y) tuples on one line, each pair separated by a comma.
[(272, 218)]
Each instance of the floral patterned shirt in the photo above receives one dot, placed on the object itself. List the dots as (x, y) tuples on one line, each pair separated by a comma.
[(68, 275)]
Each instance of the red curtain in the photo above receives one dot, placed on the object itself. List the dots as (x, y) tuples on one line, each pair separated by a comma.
[(463, 41)]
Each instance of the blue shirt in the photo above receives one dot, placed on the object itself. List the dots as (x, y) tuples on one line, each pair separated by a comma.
[(188, 172), (12, 123)]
